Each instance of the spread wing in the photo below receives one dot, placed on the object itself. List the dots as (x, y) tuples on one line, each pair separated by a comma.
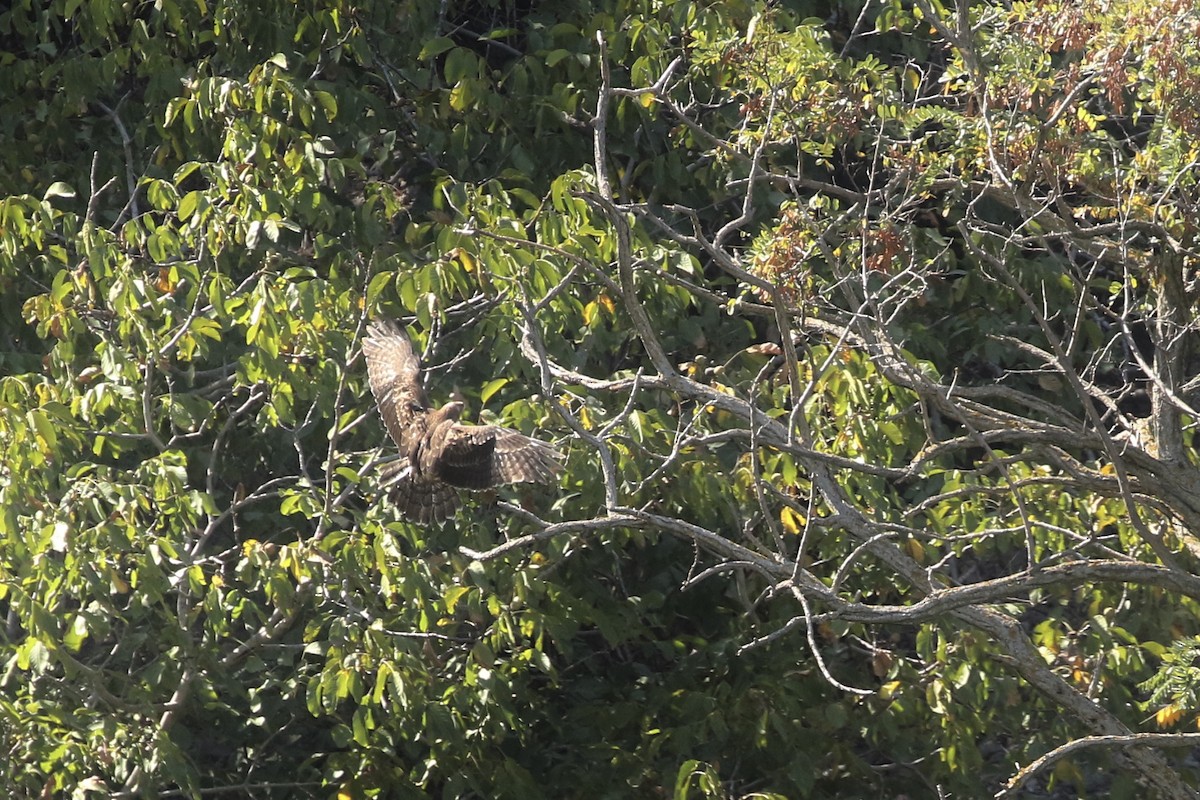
[(394, 373), (481, 456), (520, 459), (437, 453)]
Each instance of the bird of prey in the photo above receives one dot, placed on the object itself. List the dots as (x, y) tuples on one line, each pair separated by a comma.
[(437, 452)]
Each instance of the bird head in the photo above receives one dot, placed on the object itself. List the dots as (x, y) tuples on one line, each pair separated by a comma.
[(451, 410)]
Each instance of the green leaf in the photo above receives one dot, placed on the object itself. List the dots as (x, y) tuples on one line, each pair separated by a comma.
[(490, 388), (187, 206), (435, 47), (460, 63), (327, 102), (253, 233), (683, 778), (184, 172), (58, 189), (408, 293), (453, 595), (76, 633)]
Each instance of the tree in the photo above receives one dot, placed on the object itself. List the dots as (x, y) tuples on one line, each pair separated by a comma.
[(872, 356)]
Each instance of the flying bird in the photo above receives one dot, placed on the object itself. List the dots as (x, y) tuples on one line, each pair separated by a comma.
[(439, 454)]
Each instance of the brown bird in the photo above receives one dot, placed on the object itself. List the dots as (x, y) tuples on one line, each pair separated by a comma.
[(437, 452)]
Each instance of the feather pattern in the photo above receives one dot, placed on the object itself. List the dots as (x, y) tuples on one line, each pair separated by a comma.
[(438, 453)]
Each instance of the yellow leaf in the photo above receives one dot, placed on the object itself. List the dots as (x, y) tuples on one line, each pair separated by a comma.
[(608, 303), (792, 521), (589, 312), (468, 260), (889, 689), (1167, 716), (165, 282), (646, 99), (915, 549)]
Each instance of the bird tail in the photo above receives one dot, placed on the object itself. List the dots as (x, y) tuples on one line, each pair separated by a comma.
[(425, 501), (419, 500)]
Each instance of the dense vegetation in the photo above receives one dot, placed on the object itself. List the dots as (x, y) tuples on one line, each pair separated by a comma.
[(867, 328)]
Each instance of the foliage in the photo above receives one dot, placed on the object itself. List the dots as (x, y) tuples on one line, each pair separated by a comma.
[(1172, 689), (868, 331)]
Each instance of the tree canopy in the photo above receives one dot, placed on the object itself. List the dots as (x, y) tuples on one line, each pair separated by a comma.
[(867, 328)]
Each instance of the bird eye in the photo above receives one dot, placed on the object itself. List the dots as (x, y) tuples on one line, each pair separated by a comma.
[(415, 407)]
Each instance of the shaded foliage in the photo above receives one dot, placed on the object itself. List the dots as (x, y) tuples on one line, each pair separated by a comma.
[(867, 332)]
